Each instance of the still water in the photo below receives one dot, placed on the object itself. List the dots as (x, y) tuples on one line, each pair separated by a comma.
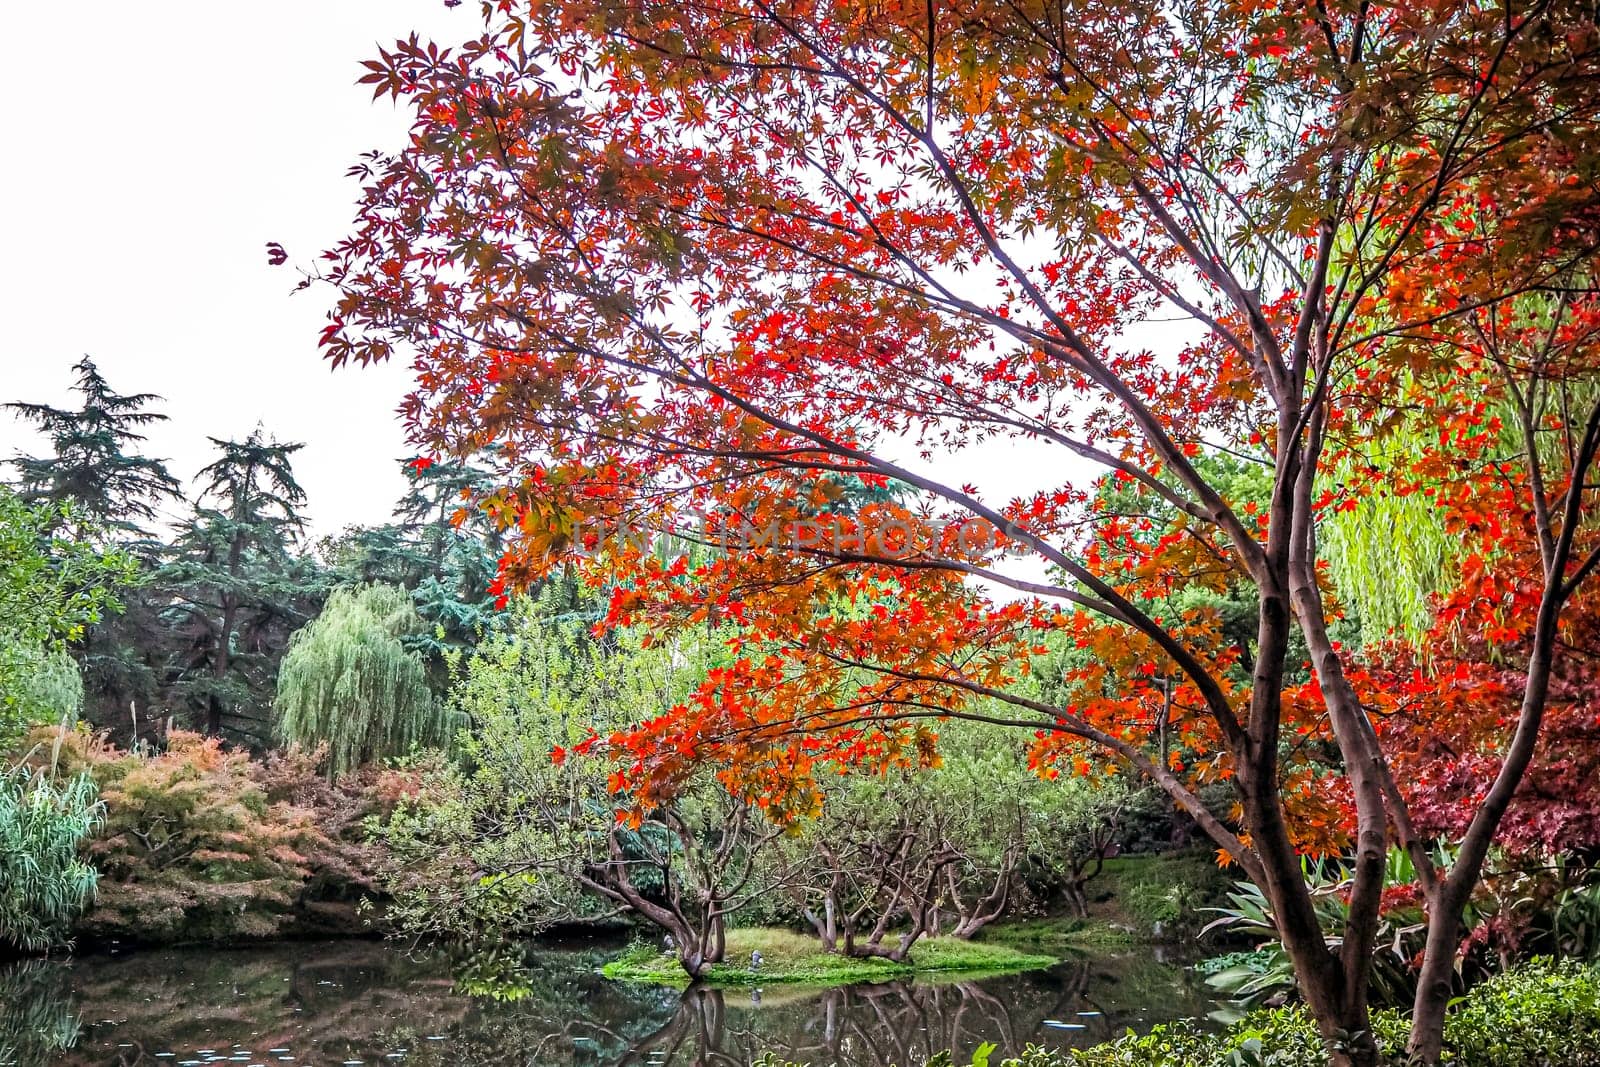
[(369, 1003)]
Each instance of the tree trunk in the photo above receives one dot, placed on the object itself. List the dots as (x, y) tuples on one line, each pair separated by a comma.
[(1447, 903), (1077, 899), (1435, 983), (876, 949), (825, 925), (1336, 995), (220, 664)]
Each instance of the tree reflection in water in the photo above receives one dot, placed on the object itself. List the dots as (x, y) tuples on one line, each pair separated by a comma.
[(369, 1002)]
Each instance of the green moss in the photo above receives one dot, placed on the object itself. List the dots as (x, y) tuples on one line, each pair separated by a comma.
[(1059, 933), (794, 958)]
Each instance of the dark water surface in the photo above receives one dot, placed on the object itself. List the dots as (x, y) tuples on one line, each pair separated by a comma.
[(371, 1003)]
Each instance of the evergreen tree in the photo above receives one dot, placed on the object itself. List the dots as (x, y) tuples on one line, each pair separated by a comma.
[(239, 586), (439, 549), (116, 495), (349, 682), (95, 462)]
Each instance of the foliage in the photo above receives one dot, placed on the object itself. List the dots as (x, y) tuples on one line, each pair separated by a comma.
[(343, 894), (891, 858), (441, 550), (94, 466), (1172, 888), (42, 686), (788, 957), (1162, 908), (50, 591), (1064, 934), (52, 588), (1445, 742), (198, 843), (720, 272), (1255, 960), (168, 649), (1269, 975), (1070, 826), (191, 848), (44, 884), (1543, 1013), (349, 683), (1391, 553), (117, 495), (1575, 922), (530, 833)]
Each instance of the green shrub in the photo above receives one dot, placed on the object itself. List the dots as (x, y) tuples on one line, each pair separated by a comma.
[(198, 843), (1154, 903), (1543, 1013), (1270, 977), (1573, 921), (1167, 896), (44, 686), (43, 883)]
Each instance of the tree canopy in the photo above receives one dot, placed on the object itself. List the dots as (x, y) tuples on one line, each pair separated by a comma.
[(680, 263), (51, 589), (94, 461), (237, 585)]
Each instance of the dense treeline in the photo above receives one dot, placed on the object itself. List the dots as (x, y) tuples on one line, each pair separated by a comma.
[(172, 676), (211, 731), (204, 623), (220, 731)]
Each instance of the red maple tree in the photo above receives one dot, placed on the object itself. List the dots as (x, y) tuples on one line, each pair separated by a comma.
[(693, 268)]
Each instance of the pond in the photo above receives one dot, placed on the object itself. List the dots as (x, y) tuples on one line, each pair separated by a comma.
[(359, 1003)]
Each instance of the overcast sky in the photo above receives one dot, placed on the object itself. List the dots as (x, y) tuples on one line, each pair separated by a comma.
[(151, 152)]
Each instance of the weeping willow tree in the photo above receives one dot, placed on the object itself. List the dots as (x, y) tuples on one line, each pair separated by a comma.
[(349, 682), (1391, 554)]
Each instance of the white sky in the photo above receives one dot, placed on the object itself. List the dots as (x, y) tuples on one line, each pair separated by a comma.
[(152, 150)]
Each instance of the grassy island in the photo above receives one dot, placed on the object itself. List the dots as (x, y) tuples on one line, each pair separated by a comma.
[(791, 958)]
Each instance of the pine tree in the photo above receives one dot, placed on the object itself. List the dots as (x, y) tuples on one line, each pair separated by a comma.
[(116, 496), (239, 585), (95, 462)]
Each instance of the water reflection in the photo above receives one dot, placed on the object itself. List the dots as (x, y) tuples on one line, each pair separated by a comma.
[(366, 1003)]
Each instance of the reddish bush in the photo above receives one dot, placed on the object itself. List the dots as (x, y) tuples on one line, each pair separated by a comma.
[(205, 844)]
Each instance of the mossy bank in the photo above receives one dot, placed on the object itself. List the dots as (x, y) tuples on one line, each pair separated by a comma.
[(790, 958)]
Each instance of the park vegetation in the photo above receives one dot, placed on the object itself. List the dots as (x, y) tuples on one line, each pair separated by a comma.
[(682, 624)]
